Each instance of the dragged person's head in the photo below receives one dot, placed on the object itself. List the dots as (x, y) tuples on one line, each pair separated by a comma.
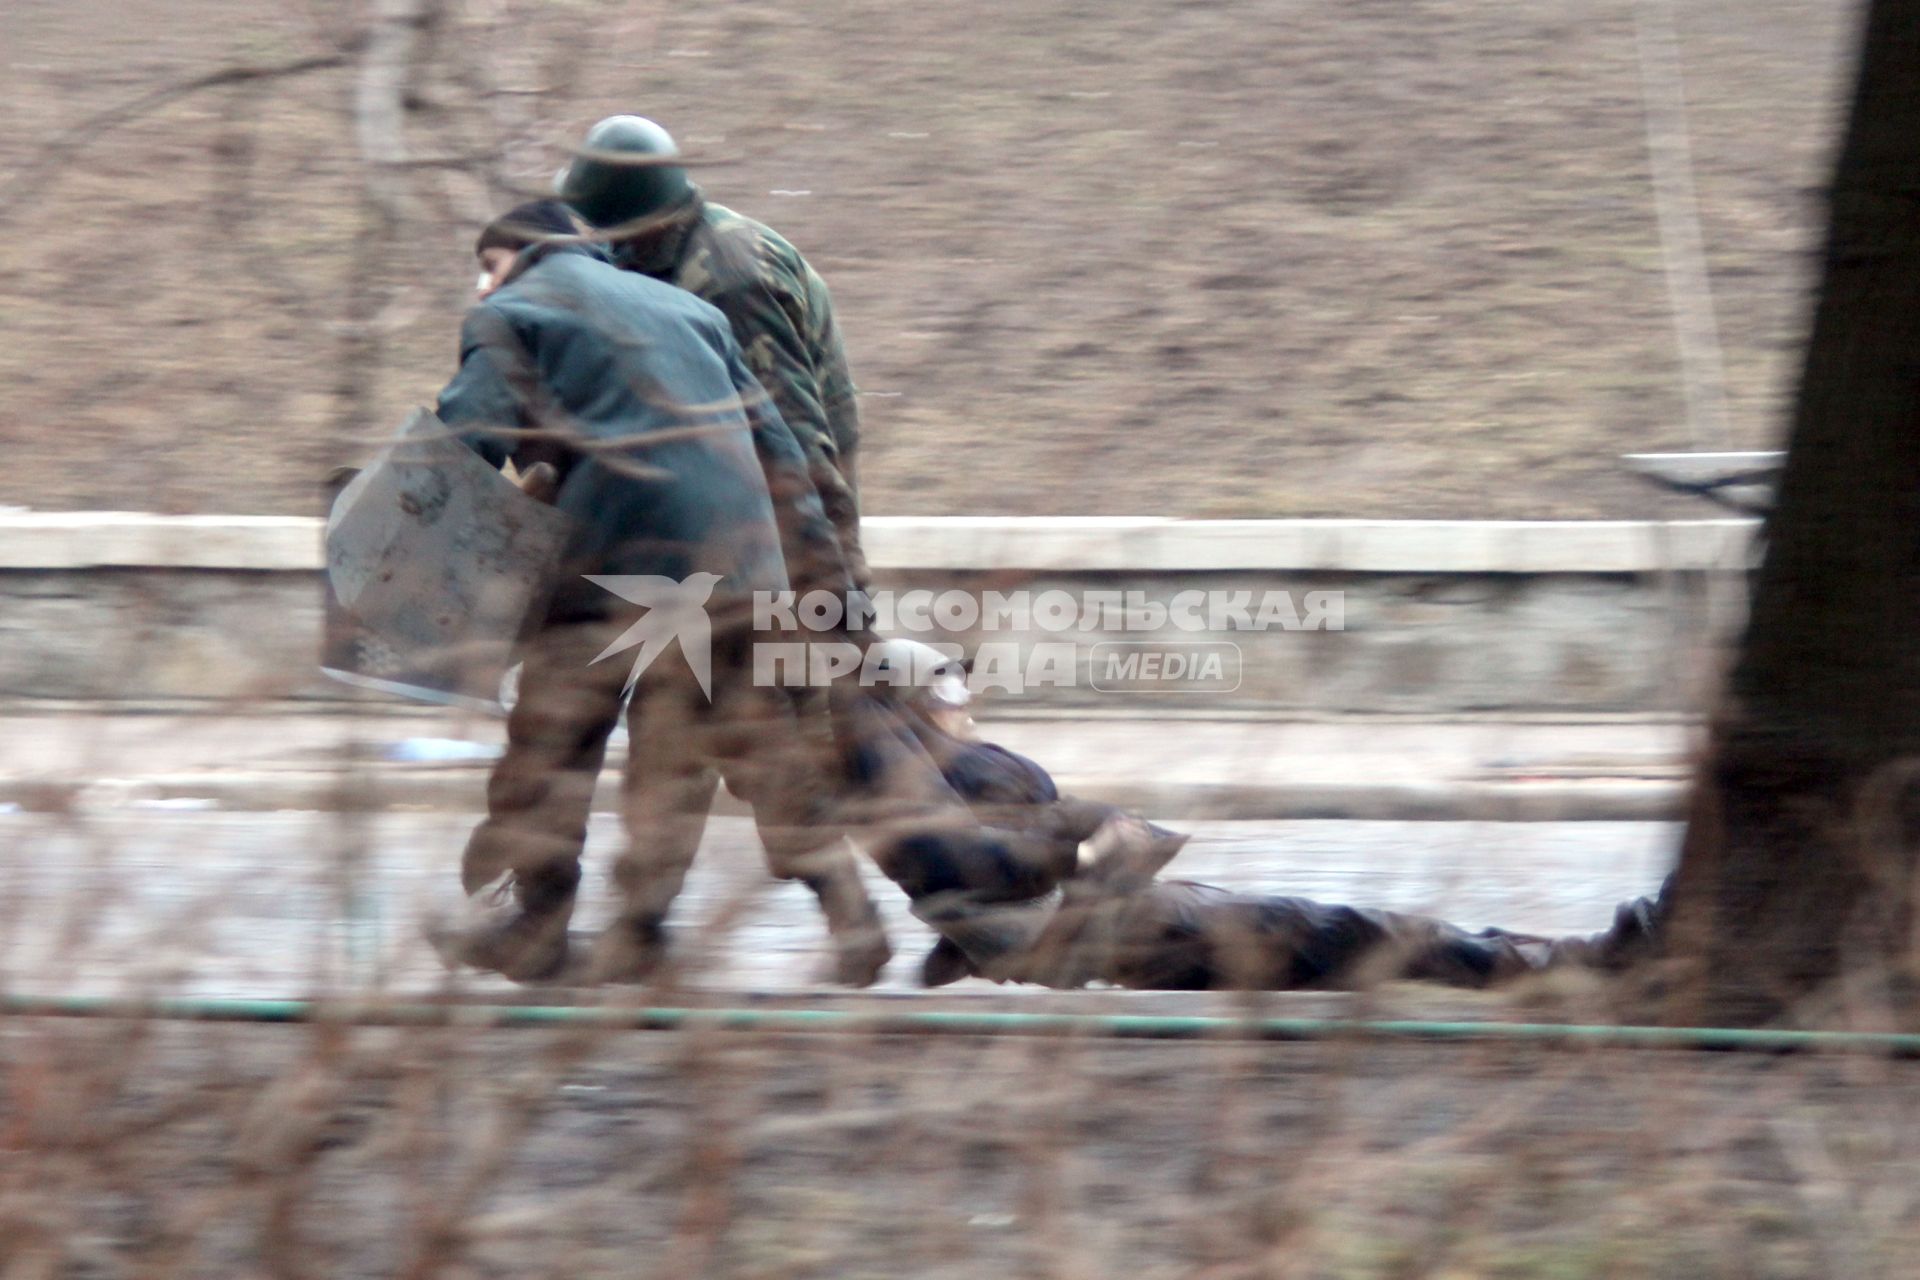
[(931, 684)]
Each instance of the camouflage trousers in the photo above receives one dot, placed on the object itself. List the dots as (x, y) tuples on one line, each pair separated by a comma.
[(681, 744)]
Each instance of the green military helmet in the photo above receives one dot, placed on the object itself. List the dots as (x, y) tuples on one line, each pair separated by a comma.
[(616, 176)]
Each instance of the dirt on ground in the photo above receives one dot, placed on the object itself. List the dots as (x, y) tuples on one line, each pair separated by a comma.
[(141, 1148), (1234, 258), (862, 1145)]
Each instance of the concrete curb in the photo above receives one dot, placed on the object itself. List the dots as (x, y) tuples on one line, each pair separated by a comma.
[(460, 790), (87, 540)]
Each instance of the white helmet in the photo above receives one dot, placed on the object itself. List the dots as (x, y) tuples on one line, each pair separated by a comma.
[(939, 674)]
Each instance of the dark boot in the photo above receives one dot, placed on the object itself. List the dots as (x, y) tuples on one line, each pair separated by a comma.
[(945, 964), (861, 950), (526, 941), (629, 950)]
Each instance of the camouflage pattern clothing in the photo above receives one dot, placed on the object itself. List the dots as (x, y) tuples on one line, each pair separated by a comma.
[(783, 319)]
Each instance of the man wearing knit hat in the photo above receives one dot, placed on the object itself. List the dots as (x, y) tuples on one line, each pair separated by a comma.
[(501, 241), (631, 397)]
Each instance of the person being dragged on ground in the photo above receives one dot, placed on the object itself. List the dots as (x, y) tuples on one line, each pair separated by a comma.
[(1023, 884)]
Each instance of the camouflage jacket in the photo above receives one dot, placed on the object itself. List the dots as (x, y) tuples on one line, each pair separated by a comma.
[(783, 318)]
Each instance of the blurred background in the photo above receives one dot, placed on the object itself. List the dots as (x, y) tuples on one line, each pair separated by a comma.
[(1224, 259)]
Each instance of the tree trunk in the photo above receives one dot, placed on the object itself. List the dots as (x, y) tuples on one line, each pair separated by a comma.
[(388, 70), (1798, 866)]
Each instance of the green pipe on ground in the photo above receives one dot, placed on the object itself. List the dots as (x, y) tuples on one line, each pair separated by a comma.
[(962, 1022)]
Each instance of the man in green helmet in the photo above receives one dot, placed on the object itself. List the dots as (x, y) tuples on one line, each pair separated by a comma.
[(656, 221)]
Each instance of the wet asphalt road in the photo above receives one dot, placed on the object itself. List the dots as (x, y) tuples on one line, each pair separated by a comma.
[(187, 901)]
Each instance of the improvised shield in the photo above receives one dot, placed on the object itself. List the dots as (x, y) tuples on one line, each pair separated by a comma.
[(434, 562)]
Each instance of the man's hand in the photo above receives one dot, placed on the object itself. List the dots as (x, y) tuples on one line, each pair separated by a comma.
[(541, 481)]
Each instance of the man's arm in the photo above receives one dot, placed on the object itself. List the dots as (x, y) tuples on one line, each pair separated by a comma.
[(809, 542), (486, 405), (837, 392), (777, 355)]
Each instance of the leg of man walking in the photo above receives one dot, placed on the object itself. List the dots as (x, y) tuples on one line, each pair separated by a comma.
[(682, 743), (538, 800), (775, 747), (665, 795)]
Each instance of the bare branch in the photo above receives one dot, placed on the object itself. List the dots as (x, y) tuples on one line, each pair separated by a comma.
[(41, 167)]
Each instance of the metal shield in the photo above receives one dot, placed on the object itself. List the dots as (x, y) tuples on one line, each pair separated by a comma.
[(434, 563)]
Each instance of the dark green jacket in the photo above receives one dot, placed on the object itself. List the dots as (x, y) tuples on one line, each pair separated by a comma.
[(783, 317), (672, 462)]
